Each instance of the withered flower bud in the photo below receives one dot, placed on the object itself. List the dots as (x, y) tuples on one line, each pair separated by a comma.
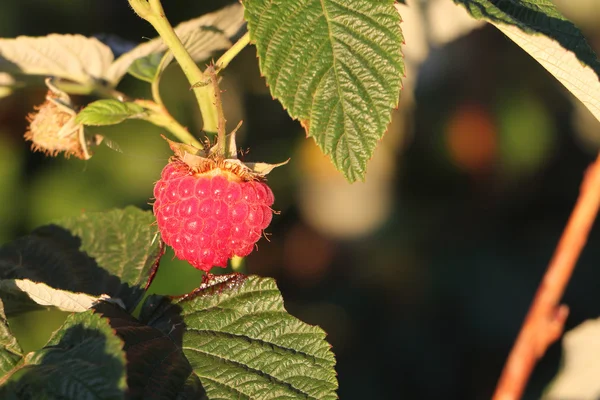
[(52, 128)]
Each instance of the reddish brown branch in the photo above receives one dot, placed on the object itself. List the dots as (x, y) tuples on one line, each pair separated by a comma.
[(545, 319)]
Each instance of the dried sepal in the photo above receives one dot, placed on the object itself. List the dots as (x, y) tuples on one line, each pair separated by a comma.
[(208, 160), (263, 169), (181, 149), (231, 146)]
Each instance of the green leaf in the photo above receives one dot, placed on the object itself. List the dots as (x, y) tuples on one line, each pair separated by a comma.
[(539, 28), (108, 112), (10, 351), (19, 294), (73, 57), (52, 255), (343, 83), (96, 253), (578, 376), (242, 343), (83, 360), (201, 36), (89, 63), (146, 68), (156, 365), (122, 241)]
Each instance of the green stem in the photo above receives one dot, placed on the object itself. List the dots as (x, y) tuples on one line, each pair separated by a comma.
[(153, 12), (141, 8), (155, 86), (233, 51), (159, 116), (156, 92), (203, 94)]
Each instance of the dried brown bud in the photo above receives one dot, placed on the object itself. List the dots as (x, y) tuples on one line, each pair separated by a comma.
[(52, 129)]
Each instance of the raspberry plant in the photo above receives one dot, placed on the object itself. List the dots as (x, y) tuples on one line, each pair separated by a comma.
[(337, 68)]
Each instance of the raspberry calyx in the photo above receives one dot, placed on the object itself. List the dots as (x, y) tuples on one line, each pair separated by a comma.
[(210, 208)]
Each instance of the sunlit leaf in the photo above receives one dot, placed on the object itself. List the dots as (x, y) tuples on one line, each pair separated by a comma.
[(72, 57), (122, 241), (539, 28), (336, 66), (96, 253), (242, 343), (17, 293), (108, 112), (89, 63)]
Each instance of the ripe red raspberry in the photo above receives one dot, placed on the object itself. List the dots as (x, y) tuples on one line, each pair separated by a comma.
[(211, 214)]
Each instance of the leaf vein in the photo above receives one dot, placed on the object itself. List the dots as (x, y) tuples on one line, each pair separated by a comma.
[(253, 370), (261, 342)]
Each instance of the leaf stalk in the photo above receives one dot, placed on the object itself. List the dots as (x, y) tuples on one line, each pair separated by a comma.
[(233, 51), (159, 116)]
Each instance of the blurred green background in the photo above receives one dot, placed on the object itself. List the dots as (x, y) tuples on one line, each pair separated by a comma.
[(421, 275)]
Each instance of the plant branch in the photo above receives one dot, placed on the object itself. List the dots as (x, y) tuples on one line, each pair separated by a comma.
[(545, 320), (153, 12), (203, 94)]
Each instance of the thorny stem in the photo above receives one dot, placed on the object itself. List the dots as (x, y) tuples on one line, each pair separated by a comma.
[(545, 320), (221, 133), (156, 17), (161, 117)]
